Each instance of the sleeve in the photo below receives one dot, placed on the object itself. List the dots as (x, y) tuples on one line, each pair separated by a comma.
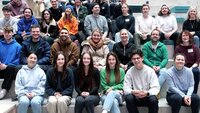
[(128, 83), (97, 82), (119, 86), (191, 83), (70, 84), (105, 27), (137, 26), (106, 51), (20, 27), (74, 29), (76, 81), (164, 57), (104, 85), (74, 56), (19, 87), (60, 24), (132, 26), (41, 85), (87, 26), (145, 53), (23, 54), (17, 56), (48, 86), (154, 84), (46, 54), (53, 51)]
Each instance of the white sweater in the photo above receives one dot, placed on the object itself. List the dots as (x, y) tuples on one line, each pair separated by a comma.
[(144, 79)]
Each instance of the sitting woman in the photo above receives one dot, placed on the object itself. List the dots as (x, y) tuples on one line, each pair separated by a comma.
[(30, 86), (69, 22), (181, 84), (59, 85), (24, 25), (112, 78), (97, 47), (123, 50), (87, 82), (49, 28), (186, 46)]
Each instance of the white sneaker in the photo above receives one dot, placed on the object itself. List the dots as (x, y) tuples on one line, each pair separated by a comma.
[(3, 93), (105, 111)]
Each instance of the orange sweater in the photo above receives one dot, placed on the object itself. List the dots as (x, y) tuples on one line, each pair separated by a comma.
[(72, 26)]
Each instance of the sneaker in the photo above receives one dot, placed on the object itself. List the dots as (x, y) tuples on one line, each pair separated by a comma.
[(3, 93)]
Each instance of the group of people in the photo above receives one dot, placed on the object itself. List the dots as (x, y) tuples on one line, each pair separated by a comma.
[(44, 57)]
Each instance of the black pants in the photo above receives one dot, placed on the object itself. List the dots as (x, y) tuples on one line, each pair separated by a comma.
[(9, 75), (173, 37), (175, 100), (87, 102), (132, 103), (196, 74)]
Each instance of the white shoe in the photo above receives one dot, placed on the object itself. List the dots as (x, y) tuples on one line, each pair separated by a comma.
[(3, 93), (105, 111)]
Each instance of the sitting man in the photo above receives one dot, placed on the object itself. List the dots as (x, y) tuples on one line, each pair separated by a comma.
[(141, 85), (9, 58), (35, 43), (156, 55)]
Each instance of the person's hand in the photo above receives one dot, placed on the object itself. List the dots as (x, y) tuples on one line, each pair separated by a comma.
[(187, 100), (144, 36), (85, 94), (3, 66), (57, 94), (167, 35), (30, 95), (108, 90)]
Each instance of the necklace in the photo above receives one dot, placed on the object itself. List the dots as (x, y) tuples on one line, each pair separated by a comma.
[(192, 22)]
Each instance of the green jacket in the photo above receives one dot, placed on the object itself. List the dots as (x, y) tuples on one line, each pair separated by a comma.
[(158, 57), (113, 84)]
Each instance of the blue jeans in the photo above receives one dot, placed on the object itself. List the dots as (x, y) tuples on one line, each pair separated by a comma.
[(162, 76), (111, 102), (196, 40), (25, 102)]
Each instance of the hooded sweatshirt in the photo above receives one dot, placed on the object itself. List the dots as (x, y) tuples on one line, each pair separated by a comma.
[(9, 52), (30, 81)]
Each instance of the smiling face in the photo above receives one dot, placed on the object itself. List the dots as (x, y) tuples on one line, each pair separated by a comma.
[(185, 37), (96, 37), (54, 3), (112, 61), (192, 14), (179, 61), (68, 11), (46, 15), (60, 61), (27, 13), (164, 10), (32, 60), (35, 32), (86, 59), (125, 9), (155, 36), (64, 35), (137, 61), (8, 35), (145, 10), (124, 36)]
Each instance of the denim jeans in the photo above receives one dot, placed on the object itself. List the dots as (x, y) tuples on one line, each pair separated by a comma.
[(34, 103), (196, 40), (162, 76), (111, 102)]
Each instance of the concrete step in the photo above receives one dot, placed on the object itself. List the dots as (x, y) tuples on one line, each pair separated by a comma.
[(9, 106)]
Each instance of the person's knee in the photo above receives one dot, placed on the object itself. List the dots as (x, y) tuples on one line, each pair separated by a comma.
[(129, 98), (153, 100)]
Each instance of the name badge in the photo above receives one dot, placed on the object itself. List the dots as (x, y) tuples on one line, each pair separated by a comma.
[(190, 50), (127, 20)]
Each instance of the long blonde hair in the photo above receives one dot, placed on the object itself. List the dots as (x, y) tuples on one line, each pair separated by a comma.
[(190, 9)]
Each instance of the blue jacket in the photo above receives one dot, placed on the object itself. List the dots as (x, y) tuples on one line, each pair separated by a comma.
[(42, 52), (9, 52), (25, 25)]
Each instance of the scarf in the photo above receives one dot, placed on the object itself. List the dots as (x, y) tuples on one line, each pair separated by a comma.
[(96, 46)]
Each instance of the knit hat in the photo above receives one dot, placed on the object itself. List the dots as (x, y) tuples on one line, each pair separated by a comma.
[(69, 6)]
